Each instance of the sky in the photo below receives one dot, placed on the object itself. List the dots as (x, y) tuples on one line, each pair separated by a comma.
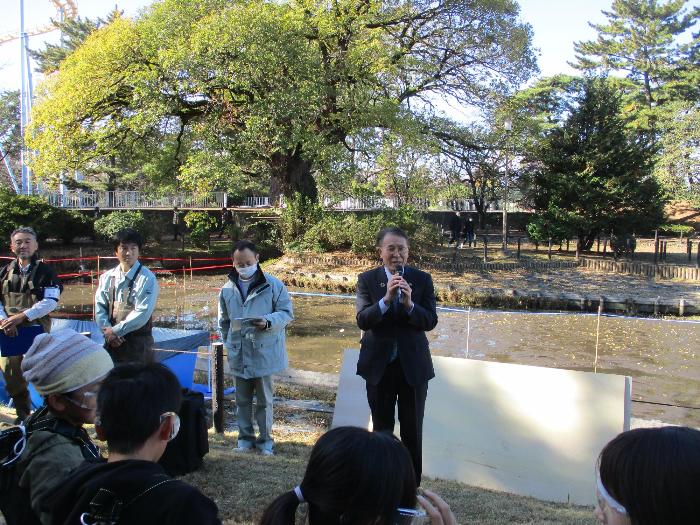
[(557, 24)]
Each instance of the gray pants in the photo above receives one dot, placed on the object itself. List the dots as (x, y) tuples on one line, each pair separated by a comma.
[(262, 388)]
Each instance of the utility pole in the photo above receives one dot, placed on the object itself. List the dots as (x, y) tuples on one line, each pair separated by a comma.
[(25, 99), (508, 126)]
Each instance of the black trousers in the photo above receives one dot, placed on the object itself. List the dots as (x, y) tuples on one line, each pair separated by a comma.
[(383, 398)]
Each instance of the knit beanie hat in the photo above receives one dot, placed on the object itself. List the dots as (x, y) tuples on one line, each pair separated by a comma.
[(63, 361)]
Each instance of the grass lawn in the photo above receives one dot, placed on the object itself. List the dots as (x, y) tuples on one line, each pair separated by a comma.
[(243, 484)]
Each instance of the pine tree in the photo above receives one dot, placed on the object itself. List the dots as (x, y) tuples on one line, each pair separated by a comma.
[(591, 174)]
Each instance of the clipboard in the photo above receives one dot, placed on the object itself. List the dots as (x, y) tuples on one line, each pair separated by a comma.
[(19, 344)]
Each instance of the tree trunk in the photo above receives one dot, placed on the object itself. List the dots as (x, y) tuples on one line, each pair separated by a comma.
[(290, 174)]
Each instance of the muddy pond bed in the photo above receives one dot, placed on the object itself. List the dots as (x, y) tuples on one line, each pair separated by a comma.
[(661, 356)]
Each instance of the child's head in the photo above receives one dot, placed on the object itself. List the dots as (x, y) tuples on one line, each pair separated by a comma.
[(66, 368), (650, 476), (354, 477), (137, 403)]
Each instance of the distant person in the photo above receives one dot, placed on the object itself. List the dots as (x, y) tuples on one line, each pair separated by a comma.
[(356, 477), (254, 310), (455, 227), (176, 223), (225, 220), (469, 232), (29, 292), (137, 415), (124, 302), (67, 369), (650, 476), (395, 306)]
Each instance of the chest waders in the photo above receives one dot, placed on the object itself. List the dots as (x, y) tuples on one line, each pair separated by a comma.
[(138, 345), (17, 297)]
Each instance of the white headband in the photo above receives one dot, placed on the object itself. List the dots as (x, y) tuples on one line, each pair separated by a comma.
[(300, 496), (609, 500)]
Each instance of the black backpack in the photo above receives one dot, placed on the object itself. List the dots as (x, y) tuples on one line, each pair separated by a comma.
[(185, 453), (14, 500)]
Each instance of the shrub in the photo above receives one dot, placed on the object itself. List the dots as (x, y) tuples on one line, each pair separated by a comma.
[(108, 225), (300, 214), (34, 211), (201, 225), (72, 224)]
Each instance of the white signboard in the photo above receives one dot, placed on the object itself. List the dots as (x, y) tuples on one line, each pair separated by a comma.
[(522, 429)]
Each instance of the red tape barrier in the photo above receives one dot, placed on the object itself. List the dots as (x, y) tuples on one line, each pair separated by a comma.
[(155, 270)]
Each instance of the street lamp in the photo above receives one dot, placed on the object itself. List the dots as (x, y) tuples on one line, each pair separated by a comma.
[(508, 126)]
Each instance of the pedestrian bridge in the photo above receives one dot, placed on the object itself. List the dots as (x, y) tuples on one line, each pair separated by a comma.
[(139, 200)]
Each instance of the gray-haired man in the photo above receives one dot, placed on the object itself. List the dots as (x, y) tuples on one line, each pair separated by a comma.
[(29, 292)]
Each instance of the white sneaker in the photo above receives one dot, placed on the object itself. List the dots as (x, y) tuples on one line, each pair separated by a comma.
[(266, 452), (244, 450)]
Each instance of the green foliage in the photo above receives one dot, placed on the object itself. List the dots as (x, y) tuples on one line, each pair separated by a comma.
[(201, 225), (641, 40), (215, 94), (357, 232), (72, 224), (108, 225), (540, 229), (299, 215), (10, 137), (590, 174), (33, 211), (680, 229)]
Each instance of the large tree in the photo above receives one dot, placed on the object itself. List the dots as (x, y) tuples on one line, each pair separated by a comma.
[(216, 93), (10, 136), (590, 174), (641, 40)]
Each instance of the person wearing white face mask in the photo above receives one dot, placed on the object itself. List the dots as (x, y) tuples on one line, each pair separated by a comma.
[(254, 310)]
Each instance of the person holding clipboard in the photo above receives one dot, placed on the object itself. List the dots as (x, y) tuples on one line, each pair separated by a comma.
[(254, 309), (29, 292)]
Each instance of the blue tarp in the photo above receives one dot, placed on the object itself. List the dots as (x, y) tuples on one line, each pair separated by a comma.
[(166, 340)]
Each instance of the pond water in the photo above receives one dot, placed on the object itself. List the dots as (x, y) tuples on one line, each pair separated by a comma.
[(662, 357)]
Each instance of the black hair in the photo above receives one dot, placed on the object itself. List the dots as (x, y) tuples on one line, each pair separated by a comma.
[(655, 474), (354, 477), (130, 402), (394, 230), (127, 235), (244, 245)]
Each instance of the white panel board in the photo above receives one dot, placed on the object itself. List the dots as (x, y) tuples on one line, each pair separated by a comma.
[(522, 429)]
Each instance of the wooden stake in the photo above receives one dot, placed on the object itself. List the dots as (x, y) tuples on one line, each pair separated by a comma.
[(597, 333), (217, 388)]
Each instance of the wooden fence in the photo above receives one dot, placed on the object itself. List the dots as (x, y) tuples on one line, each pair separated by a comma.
[(662, 271)]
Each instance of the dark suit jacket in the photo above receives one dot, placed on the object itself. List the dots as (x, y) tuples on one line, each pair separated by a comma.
[(380, 331)]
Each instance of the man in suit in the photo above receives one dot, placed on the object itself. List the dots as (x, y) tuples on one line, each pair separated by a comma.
[(395, 307)]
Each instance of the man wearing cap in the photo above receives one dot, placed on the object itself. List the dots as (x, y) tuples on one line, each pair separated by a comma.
[(29, 291), (124, 302), (67, 369)]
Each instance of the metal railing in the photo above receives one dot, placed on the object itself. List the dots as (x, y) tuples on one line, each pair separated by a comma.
[(133, 200), (123, 199)]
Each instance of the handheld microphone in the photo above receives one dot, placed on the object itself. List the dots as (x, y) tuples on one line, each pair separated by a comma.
[(399, 272)]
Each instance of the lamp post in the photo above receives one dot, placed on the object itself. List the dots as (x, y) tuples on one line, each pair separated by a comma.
[(508, 126)]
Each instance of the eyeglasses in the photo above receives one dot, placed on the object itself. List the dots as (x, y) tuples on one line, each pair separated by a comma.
[(176, 423), (85, 400)]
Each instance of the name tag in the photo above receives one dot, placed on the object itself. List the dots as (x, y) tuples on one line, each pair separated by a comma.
[(53, 292)]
